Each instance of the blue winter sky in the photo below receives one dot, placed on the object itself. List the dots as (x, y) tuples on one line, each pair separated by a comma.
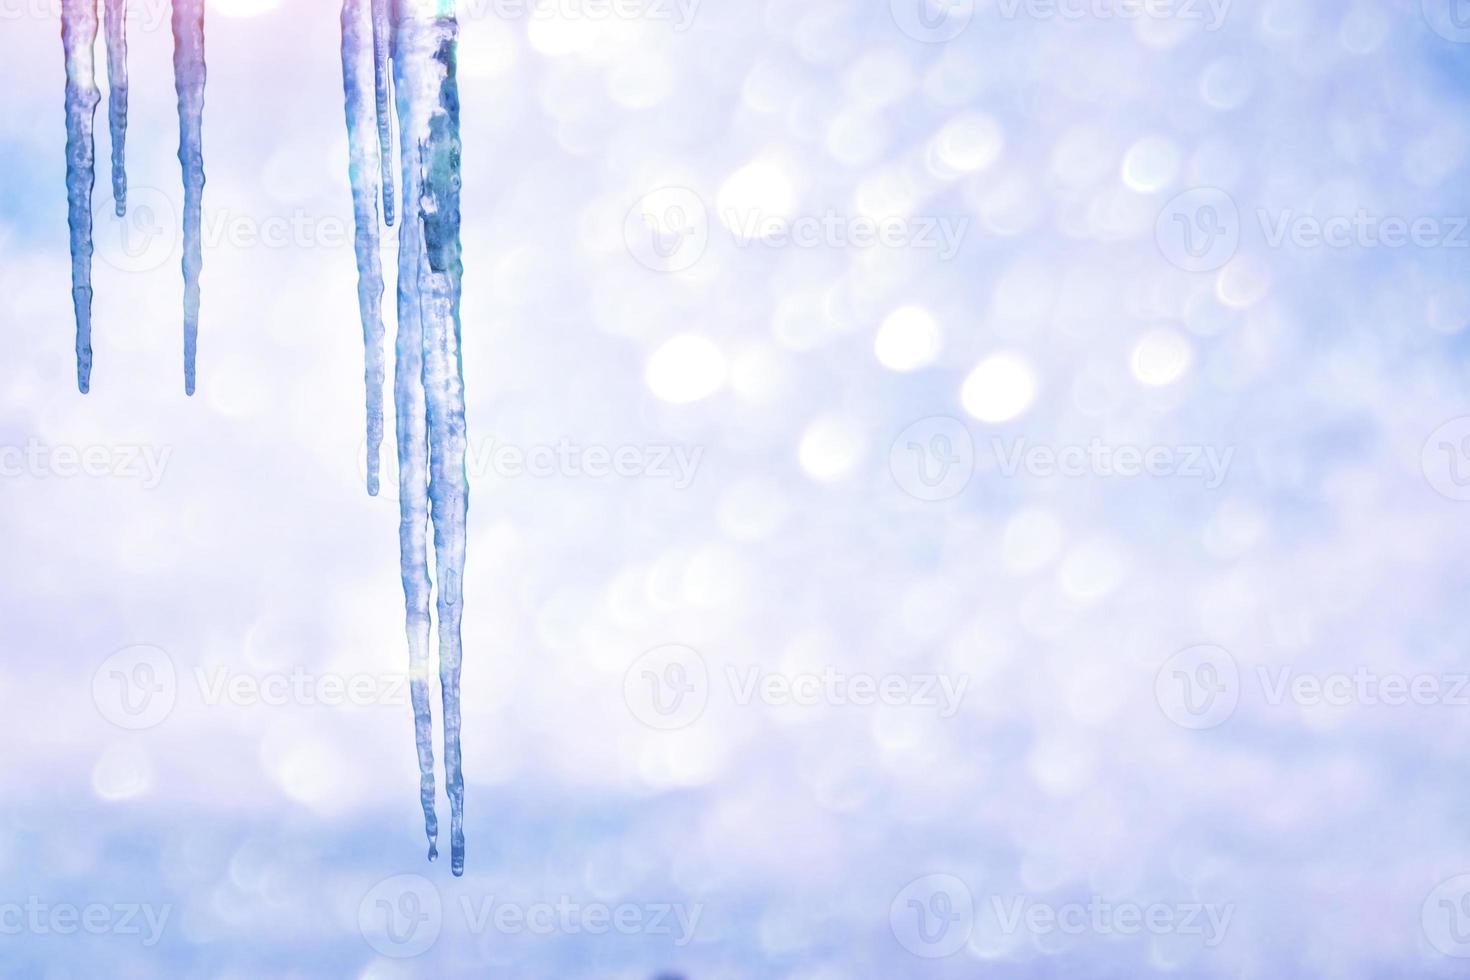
[(968, 489)]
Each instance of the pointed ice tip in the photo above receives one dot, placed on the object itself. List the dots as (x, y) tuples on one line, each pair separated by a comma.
[(122, 208), (433, 851)]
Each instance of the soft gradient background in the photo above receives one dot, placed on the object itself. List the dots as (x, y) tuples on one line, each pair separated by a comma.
[(1333, 833)]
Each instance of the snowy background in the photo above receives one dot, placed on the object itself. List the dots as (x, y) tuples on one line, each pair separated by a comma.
[(957, 490)]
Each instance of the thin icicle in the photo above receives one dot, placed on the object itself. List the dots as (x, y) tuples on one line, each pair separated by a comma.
[(358, 84), (382, 77), (429, 289), (78, 38), (117, 98), (188, 25)]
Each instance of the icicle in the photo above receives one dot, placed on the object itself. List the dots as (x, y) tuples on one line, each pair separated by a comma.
[(358, 84), (188, 25), (117, 98), (428, 290), (382, 72), (78, 38)]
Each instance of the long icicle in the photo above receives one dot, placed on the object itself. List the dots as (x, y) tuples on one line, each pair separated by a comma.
[(189, 74), (429, 280), (382, 76), (363, 168), (78, 38), (117, 98), (411, 423)]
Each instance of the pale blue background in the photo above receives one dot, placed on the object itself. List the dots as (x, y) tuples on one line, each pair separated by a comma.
[(1327, 547)]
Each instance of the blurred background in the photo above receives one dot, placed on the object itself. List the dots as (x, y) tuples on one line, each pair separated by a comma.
[(959, 489)]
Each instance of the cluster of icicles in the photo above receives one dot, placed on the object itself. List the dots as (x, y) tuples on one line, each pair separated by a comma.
[(394, 53)]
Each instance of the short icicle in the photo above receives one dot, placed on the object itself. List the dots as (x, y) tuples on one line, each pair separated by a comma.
[(429, 291), (361, 104), (117, 98), (78, 39), (189, 75)]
